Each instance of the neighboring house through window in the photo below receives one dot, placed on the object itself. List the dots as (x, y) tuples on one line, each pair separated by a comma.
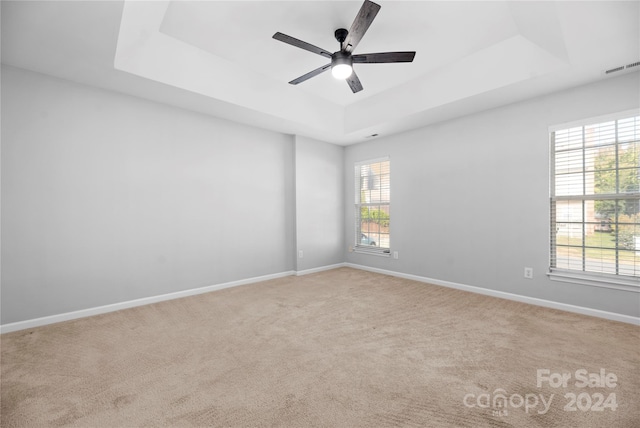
[(372, 206), (595, 202)]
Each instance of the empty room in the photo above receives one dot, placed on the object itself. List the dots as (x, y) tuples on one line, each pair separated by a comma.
[(320, 213)]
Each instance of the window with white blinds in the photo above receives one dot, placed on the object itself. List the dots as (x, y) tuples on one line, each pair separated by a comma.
[(595, 201), (372, 205)]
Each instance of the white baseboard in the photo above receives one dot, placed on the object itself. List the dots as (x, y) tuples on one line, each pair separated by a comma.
[(37, 322), (509, 296), (319, 269)]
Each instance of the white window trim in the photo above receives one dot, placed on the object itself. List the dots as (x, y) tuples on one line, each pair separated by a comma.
[(596, 119), (593, 279), (379, 252), (360, 249)]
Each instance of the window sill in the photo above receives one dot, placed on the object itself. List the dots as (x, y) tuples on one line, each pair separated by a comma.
[(380, 252), (596, 280)]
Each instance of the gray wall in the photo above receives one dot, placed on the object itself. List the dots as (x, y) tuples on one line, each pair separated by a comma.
[(469, 197), (319, 209), (108, 198)]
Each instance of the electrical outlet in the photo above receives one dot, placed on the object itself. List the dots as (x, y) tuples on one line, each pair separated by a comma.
[(528, 273), (395, 255), (300, 254)]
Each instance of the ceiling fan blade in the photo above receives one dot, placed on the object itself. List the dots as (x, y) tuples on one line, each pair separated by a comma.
[(363, 20), (310, 74), (300, 44), (384, 57), (354, 82)]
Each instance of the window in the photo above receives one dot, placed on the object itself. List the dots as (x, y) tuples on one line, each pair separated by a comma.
[(595, 203), (373, 193)]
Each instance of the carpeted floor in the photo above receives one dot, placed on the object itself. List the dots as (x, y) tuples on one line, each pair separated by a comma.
[(341, 348)]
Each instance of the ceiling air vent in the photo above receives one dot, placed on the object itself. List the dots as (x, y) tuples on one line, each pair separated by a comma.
[(635, 64)]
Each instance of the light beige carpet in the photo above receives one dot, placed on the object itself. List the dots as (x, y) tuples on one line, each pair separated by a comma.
[(342, 348)]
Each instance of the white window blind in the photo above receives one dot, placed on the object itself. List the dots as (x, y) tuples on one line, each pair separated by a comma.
[(595, 200), (372, 205)]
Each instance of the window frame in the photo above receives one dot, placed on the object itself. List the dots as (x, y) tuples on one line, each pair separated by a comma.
[(584, 277), (358, 247)]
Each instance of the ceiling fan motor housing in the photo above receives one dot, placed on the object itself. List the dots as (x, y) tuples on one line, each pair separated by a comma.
[(341, 58)]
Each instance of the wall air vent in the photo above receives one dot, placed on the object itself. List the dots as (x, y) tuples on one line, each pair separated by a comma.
[(622, 67)]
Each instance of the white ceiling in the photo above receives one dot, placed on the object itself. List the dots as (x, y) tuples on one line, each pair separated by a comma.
[(219, 58)]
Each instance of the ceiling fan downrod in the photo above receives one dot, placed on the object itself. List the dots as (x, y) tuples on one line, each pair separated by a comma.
[(341, 35)]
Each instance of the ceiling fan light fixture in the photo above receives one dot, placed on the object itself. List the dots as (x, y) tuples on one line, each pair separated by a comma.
[(341, 71), (341, 65)]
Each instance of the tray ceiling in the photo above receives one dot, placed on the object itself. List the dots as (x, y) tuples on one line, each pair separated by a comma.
[(219, 58)]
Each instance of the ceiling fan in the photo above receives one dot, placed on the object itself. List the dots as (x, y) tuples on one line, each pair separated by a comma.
[(342, 61)]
